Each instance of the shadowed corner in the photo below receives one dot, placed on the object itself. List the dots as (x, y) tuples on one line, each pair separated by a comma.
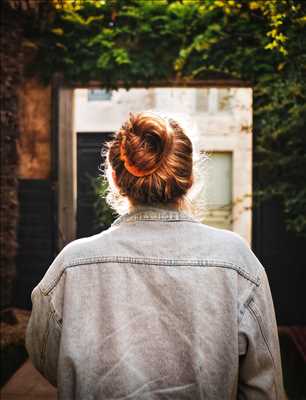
[(293, 353)]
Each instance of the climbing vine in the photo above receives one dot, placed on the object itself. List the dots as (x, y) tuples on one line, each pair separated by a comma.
[(135, 41)]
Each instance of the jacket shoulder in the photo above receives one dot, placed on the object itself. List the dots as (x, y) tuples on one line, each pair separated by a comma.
[(78, 249), (230, 248)]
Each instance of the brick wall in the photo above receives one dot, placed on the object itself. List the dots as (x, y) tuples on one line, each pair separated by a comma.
[(11, 73)]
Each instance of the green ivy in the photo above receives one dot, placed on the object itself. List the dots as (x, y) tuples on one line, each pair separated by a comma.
[(105, 215), (134, 41)]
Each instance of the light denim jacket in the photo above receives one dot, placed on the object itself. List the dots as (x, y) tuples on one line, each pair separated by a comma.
[(159, 306)]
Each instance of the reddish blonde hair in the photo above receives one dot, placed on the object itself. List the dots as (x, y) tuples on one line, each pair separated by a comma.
[(152, 159)]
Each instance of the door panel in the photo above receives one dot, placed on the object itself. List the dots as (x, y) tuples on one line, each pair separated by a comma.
[(89, 167)]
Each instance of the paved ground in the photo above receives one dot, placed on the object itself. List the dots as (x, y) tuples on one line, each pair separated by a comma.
[(27, 384)]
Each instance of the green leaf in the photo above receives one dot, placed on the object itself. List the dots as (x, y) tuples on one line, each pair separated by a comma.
[(58, 31), (104, 60)]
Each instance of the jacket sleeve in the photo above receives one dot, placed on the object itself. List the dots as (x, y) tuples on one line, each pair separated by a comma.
[(260, 368), (43, 335)]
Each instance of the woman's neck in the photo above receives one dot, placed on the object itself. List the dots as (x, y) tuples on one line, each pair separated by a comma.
[(168, 206)]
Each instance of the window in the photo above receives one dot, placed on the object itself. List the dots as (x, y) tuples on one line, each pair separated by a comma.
[(218, 191), (99, 95)]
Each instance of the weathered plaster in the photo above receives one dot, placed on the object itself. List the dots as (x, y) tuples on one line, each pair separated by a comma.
[(34, 143)]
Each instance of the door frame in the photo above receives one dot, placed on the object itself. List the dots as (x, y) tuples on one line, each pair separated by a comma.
[(64, 154)]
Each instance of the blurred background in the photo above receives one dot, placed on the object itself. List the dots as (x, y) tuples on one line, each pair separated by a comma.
[(71, 72)]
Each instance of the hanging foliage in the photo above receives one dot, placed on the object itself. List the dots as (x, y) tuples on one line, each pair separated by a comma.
[(141, 41)]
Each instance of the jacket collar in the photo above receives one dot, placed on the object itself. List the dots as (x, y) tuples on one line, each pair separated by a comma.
[(154, 212)]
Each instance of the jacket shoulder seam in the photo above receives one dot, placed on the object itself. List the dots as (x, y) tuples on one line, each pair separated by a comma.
[(157, 262)]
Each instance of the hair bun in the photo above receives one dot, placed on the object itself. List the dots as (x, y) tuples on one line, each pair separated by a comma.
[(148, 144), (145, 140)]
